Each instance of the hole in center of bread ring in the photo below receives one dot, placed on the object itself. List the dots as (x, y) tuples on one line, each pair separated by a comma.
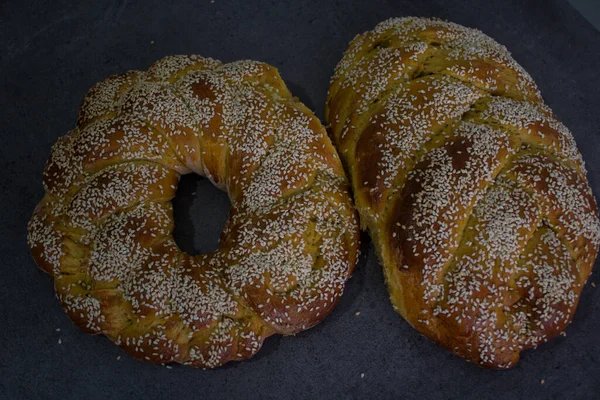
[(200, 211)]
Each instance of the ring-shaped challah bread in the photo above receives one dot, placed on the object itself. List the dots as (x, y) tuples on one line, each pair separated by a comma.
[(475, 195), (104, 226)]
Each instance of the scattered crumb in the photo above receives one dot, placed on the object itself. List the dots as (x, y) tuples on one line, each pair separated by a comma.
[(593, 284), (57, 329), (542, 382), (59, 341), (362, 375), (118, 357), (169, 367), (357, 313)]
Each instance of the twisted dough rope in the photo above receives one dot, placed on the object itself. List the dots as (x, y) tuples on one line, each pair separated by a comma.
[(474, 194), (104, 227)]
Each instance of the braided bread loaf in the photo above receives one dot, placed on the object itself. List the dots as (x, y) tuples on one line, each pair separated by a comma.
[(104, 227), (474, 194)]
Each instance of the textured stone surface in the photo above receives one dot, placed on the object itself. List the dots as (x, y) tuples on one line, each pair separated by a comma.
[(52, 52)]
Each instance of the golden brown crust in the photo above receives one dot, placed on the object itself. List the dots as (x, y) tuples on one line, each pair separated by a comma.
[(474, 194), (104, 227)]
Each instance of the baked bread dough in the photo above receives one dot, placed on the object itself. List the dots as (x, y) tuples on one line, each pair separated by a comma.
[(474, 194), (104, 226)]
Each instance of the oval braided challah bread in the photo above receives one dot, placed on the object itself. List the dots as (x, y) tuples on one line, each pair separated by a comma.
[(104, 227), (474, 194)]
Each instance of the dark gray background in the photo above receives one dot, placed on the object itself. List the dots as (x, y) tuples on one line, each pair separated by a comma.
[(51, 52)]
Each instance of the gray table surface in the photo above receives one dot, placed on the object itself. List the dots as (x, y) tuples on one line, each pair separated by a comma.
[(52, 52)]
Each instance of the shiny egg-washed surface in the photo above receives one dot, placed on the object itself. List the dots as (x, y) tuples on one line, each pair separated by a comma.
[(104, 227), (475, 195)]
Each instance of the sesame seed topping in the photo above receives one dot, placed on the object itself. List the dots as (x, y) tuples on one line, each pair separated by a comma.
[(475, 195), (104, 227)]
